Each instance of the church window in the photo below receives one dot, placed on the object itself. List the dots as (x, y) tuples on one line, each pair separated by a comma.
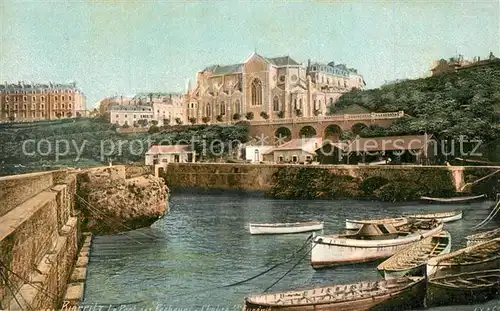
[(295, 103), (237, 106), (223, 108), (319, 104), (315, 105), (276, 103), (256, 91), (207, 110), (300, 103)]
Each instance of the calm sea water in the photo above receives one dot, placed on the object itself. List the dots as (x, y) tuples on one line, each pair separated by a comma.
[(203, 243)]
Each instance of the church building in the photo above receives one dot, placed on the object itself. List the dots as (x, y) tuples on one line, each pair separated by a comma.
[(263, 88)]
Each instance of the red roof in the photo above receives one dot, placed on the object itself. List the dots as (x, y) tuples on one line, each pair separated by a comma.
[(159, 149)]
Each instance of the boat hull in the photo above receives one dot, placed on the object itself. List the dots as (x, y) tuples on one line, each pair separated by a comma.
[(406, 299), (454, 200), (439, 294), (445, 219), (438, 270), (330, 252), (255, 229)]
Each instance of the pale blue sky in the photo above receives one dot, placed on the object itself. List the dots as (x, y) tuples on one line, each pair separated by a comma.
[(114, 47)]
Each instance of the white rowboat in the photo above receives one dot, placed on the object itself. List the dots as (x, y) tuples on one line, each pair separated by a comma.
[(282, 228), (443, 217), (482, 237), (357, 224), (367, 244), (454, 200)]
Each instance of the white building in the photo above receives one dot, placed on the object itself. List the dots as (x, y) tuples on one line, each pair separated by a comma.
[(166, 106), (255, 154), (130, 114), (158, 154), (294, 151)]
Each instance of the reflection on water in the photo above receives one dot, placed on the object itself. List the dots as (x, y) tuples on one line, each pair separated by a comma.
[(204, 243)]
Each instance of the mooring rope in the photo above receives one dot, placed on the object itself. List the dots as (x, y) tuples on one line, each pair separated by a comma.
[(290, 270), (492, 214)]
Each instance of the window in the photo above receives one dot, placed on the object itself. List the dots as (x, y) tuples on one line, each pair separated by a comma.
[(117, 116), (32, 114), (15, 99), (6, 98), (135, 116), (70, 97), (237, 106), (33, 98), (69, 106), (164, 160), (208, 111), (223, 109), (300, 103), (319, 103), (276, 103), (256, 91), (295, 104), (308, 158), (25, 107), (125, 116), (25, 98), (294, 159), (315, 107), (41, 107), (55, 97), (15, 107), (43, 98), (6, 107), (62, 98), (63, 106), (281, 159)]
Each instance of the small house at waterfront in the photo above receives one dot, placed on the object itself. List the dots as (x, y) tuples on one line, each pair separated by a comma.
[(255, 154), (301, 150), (412, 149), (158, 154)]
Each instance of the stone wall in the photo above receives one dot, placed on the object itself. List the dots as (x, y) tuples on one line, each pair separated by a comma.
[(39, 234), (322, 181)]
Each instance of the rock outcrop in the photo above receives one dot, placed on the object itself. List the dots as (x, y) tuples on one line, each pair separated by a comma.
[(111, 204)]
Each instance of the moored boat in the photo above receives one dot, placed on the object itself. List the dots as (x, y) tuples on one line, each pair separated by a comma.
[(465, 199), (482, 237), (412, 260), (463, 288), (351, 224), (371, 242), (483, 256), (388, 295), (282, 228), (443, 216)]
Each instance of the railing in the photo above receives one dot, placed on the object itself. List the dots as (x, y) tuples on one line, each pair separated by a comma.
[(340, 117)]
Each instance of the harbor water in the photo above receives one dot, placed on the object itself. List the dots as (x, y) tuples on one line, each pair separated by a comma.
[(183, 261)]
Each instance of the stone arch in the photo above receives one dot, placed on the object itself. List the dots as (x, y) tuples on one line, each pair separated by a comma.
[(332, 132), (307, 131), (282, 134), (358, 127)]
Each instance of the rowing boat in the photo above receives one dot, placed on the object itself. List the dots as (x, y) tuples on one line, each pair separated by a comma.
[(482, 237), (483, 256), (370, 243), (454, 200), (282, 228), (463, 288), (396, 294), (357, 224), (443, 217), (412, 260)]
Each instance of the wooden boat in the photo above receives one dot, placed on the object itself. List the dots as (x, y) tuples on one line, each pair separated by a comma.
[(357, 224), (464, 288), (483, 256), (412, 260), (371, 242), (455, 199), (443, 217), (482, 237), (395, 294), (281, 228)]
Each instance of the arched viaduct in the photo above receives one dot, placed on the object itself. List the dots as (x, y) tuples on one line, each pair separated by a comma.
[(330, 127)]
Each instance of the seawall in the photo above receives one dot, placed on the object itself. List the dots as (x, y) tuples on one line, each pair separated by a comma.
[(325, 181), (39, 239)]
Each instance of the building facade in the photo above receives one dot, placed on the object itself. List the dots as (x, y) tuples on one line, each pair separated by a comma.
[(268, 88), (161, 107), (31, 102), (161, 154)]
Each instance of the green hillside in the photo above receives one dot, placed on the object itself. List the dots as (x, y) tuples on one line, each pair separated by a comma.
[(448, 105)]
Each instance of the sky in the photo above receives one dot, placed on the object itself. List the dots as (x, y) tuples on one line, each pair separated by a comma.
[(124, 47)]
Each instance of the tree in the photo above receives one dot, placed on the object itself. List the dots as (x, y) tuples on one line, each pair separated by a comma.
[(281, 114), (249, 116), (205, 120), (153, 129), (125, 126), (316, 112), (58, 115), (154, 122), (298, 112), (12, 118), (78, 114), (264, 115), (166, 122), (219, 118), (143, 122), (236, 116), (178, 121), (192, 120)]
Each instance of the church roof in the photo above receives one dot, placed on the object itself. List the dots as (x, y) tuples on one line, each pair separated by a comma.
[(282, 61), (237, 68)]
